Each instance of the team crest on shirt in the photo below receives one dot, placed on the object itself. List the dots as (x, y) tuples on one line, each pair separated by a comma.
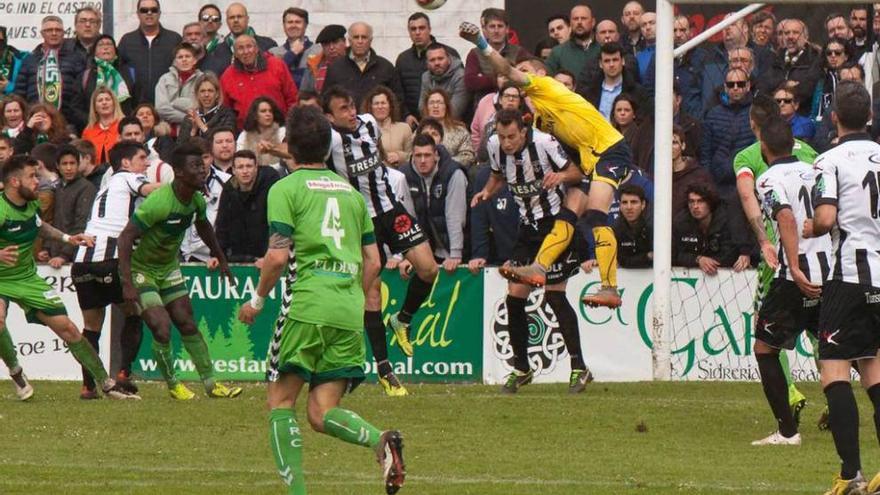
[(402, 223), (438, 191)]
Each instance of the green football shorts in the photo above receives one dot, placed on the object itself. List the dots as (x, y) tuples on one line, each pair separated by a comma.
[(159, 287), (316, 353), (31, 295)]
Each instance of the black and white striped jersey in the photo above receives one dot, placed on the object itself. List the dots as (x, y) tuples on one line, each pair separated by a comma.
[(787, 185), (525, 171), (113, 206), (355, 156), (849, 177)]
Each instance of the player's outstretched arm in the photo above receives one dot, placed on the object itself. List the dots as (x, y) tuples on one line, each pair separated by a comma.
[(209, 237), (273, 266), (125, 244), (50, 233), (745, 187), (471, 32)]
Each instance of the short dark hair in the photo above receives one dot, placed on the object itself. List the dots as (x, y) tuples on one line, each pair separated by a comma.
[(433, 124), (185, 45), (562, 17), (65, 150), (632, 190), (138, 5), (124, 150), (16, 164), (335, 91), (545, 43), (834, 15), (9, 141), (308, 135), (245, 154), (184, 150), (424, 140), (611, 48), (776, 135), (437, 46), (301, 13), (46, 153), (763, 108), (250, 120), (210, 6), (852, 104), (564, 72), (705, 191), (510, 116), (853, 66), (130, 120), (85, 148), (493, 14), (308, 94), (678, 130), (218, 130), (417, 16)]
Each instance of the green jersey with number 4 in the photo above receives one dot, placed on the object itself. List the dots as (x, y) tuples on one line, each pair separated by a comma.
[(19, 226), (164, 220), (327, 221)]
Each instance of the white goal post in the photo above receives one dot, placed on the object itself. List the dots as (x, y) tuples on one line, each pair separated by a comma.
[(661, 325)]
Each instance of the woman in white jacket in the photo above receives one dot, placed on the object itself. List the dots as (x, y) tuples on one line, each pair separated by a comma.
[(175, 91)]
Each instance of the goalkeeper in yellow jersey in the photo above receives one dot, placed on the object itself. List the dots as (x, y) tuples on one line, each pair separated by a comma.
[(605, 159)]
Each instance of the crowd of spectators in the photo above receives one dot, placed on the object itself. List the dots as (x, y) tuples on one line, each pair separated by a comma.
[(69, 101)]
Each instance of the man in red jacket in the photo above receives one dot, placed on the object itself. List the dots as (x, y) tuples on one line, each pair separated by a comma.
[(255, 74)]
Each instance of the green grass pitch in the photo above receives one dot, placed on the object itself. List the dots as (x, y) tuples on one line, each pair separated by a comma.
[(459, 439)]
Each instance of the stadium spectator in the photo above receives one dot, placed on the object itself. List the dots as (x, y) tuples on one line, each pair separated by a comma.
[(412, 63), (706, 235), (13, 109), (761, 26), (86, 29), (624, 111), (648, 25), (242, 227), (726, 130), (44, 124), (837, 52), (837, 26), (254, 74), (222, 142), (47, 175), (509, 98), (104, 68), (297, 48), (10, 63), (149, 50), (193, 248), (308, 97), (456, 136), (397, 136), (493, 224), (544, 48), (479, 77), (606, 32), (858, 22), (613, 80), (51, 74), (210, 19), (156, 132), (130, 128), (693, 128), (559, 28), (6, 149), (176, 89), (801, 127), (89, 168), (264, 134), (485, 109), (633, 229), (332, 41), (362, 69), (686, 170), (104, 117), (72, 205), (444, 72), (733, 52), (209, 112), (629, 19), (581, 49), (223, 55), (797, 61), (438, 187), (567, 79), (194, 34), (687, 70)]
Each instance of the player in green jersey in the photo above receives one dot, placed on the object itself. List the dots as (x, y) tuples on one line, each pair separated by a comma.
[(151, 276), (748, 165), (319, 337), (20, 225)]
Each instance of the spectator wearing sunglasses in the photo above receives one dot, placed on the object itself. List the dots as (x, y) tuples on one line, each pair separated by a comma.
[(726, 130), (801, 127), (836, 53), (210, 19), (149, 49)]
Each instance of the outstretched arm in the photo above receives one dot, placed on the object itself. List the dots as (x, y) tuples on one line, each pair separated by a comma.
[(50, 233), (471, 32)]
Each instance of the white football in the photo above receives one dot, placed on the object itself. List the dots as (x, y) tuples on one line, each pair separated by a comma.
[(430, 4)]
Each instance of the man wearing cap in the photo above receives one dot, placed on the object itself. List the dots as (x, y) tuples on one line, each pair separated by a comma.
[(332, 41)]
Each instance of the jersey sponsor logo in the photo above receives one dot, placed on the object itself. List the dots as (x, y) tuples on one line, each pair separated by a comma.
[(527, 190), (402, 223), (363, 166), (325, 184), (874, 158), (872, 298), (15, 229), (139, 278), (176, 221), (336, 268)]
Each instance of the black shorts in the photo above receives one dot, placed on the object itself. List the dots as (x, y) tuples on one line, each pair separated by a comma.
[(786, 312), (614, 163), (397, 230), (849, 321), (97, 284), (528, 243)]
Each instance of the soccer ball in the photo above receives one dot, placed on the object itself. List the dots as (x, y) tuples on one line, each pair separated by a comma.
[(430, 4)]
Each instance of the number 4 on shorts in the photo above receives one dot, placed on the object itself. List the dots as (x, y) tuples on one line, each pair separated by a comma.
[(331, 226)]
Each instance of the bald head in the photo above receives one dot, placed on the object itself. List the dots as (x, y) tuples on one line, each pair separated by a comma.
[(606, 32), (360, 38), (581, 19), (245, 49), (237, 18)]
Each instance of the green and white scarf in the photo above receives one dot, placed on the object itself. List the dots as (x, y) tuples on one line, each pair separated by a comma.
[(230, 39), (213, 44), (49, 79), (107, 75), (7, 63)]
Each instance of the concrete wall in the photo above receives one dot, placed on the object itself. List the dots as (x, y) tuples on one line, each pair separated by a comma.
[(388, 18)]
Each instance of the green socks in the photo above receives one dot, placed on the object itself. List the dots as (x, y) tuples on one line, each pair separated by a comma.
[(7, 350), (349, 427), (786, 369), (198, 350), (165, 362), (286, 442), (82, 351)]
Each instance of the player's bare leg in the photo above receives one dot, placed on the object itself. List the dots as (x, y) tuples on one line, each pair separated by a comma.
[(596, 216), (23, 389), (419, 288)]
